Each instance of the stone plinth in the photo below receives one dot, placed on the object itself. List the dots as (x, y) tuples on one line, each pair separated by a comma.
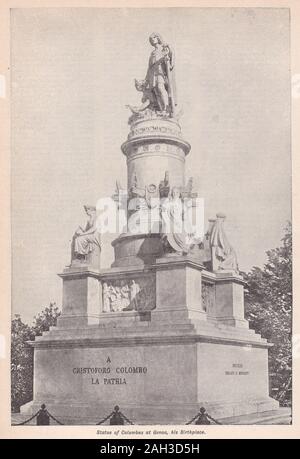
[(179, 346), (178, 290), (137, 250), (230, 299), (156, 374), (82, 296)]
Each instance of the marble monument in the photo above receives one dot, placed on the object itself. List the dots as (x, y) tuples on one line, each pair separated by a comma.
[(162, 331)]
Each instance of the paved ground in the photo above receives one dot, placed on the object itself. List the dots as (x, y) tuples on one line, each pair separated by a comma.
[(278, 417)]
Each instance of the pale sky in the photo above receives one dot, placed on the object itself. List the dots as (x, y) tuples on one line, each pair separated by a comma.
[(73, 73)]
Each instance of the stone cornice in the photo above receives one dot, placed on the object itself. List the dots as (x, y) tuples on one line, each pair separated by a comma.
[(117, 341), (80, 272), (178, 261)]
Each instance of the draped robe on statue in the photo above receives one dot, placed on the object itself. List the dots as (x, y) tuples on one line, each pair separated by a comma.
[(222, 251), (84, 243), (173, 226)]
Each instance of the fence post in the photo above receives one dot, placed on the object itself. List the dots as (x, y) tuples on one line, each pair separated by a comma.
[(43, 418), (116, 419), (202, 418)]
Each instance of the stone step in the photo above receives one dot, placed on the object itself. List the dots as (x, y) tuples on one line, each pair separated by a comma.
[(275, 417)]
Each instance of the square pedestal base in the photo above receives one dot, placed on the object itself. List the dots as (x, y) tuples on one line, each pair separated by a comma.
[(161, 381)]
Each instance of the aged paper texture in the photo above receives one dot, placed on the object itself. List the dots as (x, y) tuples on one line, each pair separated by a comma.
[(149, 277)]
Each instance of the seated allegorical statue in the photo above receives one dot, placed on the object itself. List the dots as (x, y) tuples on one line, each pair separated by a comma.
[(222, 253), (86, 242)]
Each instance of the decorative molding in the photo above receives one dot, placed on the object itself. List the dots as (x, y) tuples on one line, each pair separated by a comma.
[(128, 146), (116, 341)]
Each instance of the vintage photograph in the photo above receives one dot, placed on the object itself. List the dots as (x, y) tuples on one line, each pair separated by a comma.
[(151, 216)]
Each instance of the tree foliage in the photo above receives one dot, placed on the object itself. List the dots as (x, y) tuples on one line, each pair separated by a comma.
[(22, 353), (21, 363), (269, 311), (45, 319)]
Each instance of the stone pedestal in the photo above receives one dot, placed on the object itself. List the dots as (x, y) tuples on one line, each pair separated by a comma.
[(159, 335), (82, 296), (155, 146), (181, 346), (137, 250), (178, 290), (230, 299), (156, 374)]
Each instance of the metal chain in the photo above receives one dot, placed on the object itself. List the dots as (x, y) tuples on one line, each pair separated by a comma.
[(105, 419), (35, 415), (201, 414), (193, 419), (27, 420), (126, 419), (109, 416), (214, 420), (54, 419)]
